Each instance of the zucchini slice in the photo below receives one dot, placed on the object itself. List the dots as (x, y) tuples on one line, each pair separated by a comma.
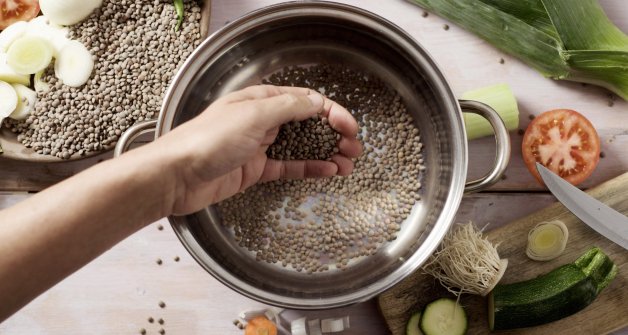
[(443, 317), (412, 328)]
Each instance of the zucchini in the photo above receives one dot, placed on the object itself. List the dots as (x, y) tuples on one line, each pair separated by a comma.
[(553, 296), (412, 328), (443, 317)]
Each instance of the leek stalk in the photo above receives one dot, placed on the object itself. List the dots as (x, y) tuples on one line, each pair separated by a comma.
[(501, 99), (562, 39)]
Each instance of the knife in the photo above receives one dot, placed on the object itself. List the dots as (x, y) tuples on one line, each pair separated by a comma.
[(603, 219)]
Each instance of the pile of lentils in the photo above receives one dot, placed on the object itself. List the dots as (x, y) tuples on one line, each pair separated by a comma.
[(318, 225), (313, 138), (136, 53)]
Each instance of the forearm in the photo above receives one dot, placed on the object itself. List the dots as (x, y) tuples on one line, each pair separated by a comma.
[(55, 232)]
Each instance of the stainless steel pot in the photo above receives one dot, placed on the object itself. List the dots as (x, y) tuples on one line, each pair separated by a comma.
[(302, 33)]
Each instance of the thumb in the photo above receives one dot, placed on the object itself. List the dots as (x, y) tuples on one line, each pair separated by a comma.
[(274, 111)]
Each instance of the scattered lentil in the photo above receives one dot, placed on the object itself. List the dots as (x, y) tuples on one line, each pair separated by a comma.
[(502, 61), (160, 227), (136, 53), (162, 331), (531, 116), (176, 258), (602, 154), (425, 14), (318, 225), (151, 320), (162, 304), (143, 331), (159, 261), (161, 321), (446, 26)]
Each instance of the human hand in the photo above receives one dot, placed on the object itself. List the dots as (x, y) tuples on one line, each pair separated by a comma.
[(223, 150)]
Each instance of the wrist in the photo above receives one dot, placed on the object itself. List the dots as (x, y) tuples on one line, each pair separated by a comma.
[(154, 173)]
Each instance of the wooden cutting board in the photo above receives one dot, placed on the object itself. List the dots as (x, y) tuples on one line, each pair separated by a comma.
[(609, 312)]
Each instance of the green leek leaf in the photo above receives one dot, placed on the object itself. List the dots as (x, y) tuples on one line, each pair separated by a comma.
[(562, 39)]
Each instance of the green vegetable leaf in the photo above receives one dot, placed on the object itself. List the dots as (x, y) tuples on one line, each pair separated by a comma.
[(562, 39), (179, 9)]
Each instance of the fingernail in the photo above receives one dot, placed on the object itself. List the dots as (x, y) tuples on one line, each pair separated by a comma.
[(316, 99)]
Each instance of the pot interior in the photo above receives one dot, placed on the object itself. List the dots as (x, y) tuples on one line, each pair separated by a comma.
[(303, 34)]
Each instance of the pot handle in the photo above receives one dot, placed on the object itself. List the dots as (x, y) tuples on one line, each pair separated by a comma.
[(132, 134), (502, 141)]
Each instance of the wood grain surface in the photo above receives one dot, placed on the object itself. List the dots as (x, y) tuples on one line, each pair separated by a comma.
[(116, 293), (607, 313)]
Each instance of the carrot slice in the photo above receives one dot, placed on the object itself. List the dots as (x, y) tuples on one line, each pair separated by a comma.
[(260, 325)]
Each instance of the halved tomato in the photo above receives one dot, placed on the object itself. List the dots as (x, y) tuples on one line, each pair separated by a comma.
[(565, 142), (12, 11)]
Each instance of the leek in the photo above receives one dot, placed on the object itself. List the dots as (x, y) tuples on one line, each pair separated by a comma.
[(562, 39), (501, 99), (547, 240)]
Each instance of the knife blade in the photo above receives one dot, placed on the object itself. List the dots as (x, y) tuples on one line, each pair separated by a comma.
[(603, 219)]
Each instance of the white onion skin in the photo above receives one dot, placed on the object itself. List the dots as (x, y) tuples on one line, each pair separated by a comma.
[(68, 12)]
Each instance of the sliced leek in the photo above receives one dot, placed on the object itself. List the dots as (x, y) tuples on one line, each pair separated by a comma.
[(74, 65), (562, 39), (11, 33), (29, 54), (9, 75), (39, 84), (55, 35), (501, 99), (547, 240), (26, 99), (8, 100)]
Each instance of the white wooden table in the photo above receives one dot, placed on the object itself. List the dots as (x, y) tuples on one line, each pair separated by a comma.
[(118, 292)]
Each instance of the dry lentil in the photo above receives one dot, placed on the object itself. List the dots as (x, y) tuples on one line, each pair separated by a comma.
[(151, 320), (176, 258), (162, 304), (318, 225), (136, 52), (160, 321), (159, 261), (313, 138)]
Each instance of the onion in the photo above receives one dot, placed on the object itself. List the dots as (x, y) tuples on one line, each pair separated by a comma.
[(68, 12)]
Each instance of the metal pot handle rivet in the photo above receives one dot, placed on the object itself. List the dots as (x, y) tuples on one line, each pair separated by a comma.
[(502, 141), (131, 134)]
